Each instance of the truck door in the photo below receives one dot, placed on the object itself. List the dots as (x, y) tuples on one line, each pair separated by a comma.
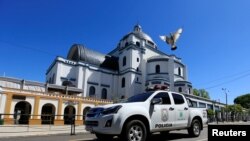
[(182, 111), (162, 114)]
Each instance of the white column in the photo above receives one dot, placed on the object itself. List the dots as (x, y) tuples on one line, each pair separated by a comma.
[(79, 77), (2, 101), (85, 79), (58, 73)]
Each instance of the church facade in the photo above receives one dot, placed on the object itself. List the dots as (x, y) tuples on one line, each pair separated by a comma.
[(86, 78), (134, 66)]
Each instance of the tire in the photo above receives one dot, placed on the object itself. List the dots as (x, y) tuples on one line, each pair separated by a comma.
[(134, 130), (104, 137), (195, 128)]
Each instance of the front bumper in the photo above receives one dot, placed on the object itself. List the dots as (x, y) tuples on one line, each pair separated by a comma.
[(101, 124)]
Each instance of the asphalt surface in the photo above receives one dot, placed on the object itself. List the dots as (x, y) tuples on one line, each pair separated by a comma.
[(181, 135)]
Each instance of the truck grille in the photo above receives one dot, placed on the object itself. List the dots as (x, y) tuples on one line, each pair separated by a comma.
[(91, 115), (94, 112), (91, 123)]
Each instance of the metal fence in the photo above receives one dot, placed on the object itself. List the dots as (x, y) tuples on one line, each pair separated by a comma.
[(19, 123), (46, 119), (229, 118)]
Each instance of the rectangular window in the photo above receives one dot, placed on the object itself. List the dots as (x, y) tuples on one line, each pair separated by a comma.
[(178, 99), (164, 96), (194, 103), (123, 82), (202, 105)]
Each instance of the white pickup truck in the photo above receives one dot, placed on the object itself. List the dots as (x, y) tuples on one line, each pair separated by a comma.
[(142, 114)]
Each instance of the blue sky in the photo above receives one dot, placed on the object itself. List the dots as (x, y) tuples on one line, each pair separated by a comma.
[(214, 44)]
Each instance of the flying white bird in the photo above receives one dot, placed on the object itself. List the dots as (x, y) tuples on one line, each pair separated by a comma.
[(172, 39)]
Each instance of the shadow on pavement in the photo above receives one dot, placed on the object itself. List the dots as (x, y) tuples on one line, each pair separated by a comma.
[(170, 136), (156, 137)]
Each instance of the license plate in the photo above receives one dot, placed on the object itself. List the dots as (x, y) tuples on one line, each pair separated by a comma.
[(89, 128)]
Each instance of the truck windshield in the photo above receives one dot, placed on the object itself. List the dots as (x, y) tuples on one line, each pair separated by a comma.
[(139, 97)]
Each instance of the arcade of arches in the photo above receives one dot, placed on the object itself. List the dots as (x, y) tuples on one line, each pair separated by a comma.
[(43, 109)]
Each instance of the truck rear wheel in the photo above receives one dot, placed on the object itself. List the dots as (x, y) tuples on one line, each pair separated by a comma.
[(195, 128), (134, 130), (104, 137)]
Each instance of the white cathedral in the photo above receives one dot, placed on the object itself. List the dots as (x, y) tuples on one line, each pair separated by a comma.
[(134, 66)]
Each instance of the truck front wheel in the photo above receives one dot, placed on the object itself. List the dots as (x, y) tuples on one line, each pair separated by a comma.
[(134, 130), (195, 128)]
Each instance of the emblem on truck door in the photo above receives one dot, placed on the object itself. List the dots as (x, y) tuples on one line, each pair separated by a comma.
[(164, 115)]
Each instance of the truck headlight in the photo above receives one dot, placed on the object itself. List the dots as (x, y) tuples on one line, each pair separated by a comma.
[(111, 110)]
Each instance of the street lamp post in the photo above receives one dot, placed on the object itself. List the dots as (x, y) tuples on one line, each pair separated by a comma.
[(225, 91)]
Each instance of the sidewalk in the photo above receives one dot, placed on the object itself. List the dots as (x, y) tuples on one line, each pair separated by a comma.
[(40, 130), (37, 130)]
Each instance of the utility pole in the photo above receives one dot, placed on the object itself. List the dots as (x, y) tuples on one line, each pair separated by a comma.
[(225, 91)]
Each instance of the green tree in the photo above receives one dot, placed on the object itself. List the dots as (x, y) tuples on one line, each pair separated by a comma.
[(196, 92), (235, 110), (204, 93), (243, 100), (210, 112), (201, 92)]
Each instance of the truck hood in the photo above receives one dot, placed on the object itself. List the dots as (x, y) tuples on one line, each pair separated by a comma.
[(122, 104)]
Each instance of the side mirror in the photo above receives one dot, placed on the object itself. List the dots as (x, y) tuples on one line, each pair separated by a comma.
[(156, 101)]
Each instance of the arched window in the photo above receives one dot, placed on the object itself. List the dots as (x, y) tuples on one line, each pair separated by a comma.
[(137, 69), (180, 89), (92, 91), (69, 113), (126, 44), (85, 110), (157, 69), (124, 61), (179, 71), (123, 82), (189, 90), (138, 44), (48, 112), (23, 108), (104, 93)]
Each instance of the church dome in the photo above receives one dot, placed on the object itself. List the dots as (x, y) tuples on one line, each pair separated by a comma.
[(137, 32), (80, 53)]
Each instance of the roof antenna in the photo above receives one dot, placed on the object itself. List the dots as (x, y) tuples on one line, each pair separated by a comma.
[(137, 22)]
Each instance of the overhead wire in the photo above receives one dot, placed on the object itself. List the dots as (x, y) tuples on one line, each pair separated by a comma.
[(229, 81), (27, 47), (225, 77)]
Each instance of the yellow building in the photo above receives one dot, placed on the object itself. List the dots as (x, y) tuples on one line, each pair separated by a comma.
[(28, 102)]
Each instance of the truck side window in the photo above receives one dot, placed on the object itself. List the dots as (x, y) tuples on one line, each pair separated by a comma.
[(178, 99), (189, 101), (164, 96)]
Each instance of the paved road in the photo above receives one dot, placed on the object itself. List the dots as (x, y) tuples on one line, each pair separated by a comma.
[(173, 136)]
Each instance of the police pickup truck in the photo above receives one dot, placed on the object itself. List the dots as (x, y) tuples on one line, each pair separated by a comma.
[(142, 114)]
